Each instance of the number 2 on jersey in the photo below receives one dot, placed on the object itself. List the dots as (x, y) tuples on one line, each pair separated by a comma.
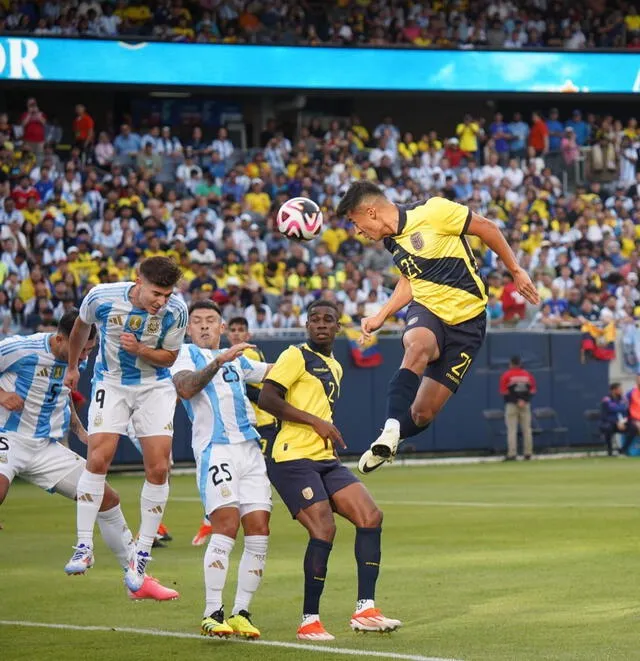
[(410, 267)]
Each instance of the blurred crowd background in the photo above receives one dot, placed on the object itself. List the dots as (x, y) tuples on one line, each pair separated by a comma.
[(80, 206), (559, 24)]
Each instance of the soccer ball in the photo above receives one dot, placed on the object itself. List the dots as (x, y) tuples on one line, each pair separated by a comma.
[(300, 218)]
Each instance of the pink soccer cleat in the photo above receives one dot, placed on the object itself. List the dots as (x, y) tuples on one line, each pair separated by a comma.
[(152, 589)]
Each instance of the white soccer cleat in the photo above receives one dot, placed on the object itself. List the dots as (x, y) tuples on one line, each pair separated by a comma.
[(383, 449), (80, 561), (372, 619), (135, 574)]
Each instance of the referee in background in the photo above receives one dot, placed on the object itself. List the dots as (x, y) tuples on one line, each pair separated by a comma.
[(517, 386)]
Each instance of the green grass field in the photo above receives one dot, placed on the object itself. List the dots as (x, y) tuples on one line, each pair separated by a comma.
[(491, 562)]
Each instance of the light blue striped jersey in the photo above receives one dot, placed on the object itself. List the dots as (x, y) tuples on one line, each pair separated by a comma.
[(220, 412), (109, 307), (28, 368)]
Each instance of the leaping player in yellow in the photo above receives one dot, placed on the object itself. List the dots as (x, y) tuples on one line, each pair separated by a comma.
[(440, 281)]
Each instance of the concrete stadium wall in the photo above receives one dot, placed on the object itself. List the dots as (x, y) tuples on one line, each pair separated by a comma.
[(554, 358)]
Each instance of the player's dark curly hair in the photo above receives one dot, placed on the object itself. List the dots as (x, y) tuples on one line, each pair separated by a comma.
[(160, 271), (322, 303), (205, 305), (355, 195), (68, 319)]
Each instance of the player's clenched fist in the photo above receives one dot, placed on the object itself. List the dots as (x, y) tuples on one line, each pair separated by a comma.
[(11, 401), (129, 343), (71, 378)]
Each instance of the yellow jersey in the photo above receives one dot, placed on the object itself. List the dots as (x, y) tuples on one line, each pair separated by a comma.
[(262, 417), (430, 250), (311, 382)]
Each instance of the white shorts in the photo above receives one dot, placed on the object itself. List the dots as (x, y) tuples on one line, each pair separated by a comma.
[(44, 463), (233, 475), (149, 406)]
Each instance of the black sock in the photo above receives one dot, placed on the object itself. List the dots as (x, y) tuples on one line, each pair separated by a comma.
[(408, 427), (403, 388), (315, 571), (368, 560)]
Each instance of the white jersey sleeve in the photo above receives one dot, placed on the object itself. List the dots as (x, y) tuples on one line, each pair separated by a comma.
[(184, 361), (252, 370), (89, 306), (14, 349), (174, 337)]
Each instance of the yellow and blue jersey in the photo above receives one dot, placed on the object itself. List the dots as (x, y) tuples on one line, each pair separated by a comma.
[(310, 381), (431, 251)]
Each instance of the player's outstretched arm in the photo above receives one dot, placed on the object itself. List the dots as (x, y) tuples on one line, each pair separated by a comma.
[(401, 296), (491, 235), (189, 383), (272, 401)]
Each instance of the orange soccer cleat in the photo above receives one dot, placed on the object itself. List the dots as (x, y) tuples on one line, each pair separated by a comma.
[(314, 631), (371, 619), (152, 589), (201, 537), (163, 533)]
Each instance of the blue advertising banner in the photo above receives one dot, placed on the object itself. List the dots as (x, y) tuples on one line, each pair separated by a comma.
[(220, 65)]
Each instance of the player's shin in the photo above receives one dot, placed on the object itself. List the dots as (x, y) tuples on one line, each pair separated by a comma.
[(116, 534), (90, 492), (408, 427), (315, 572), (216, 566), (367, 551), (153, 501), (403, 389), (250, 571)]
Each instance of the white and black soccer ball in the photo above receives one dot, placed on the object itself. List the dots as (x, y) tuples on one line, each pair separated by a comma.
[(300, 218)]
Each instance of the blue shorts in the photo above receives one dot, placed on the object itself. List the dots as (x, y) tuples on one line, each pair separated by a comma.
[(303, 482), (458, 344)]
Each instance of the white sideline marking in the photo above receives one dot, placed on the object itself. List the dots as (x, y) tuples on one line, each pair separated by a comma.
[(468, 503), (269, 643)]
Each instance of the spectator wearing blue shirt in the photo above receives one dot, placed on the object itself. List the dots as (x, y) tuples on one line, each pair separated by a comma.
[(614, 411), (519, 131), (500, 133), (127, 143), (580, 128), (556, 130), (494, 311), (557, 304)]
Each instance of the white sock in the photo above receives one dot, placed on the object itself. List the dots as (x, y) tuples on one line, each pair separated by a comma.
[(309, 618), (392, 424), (90, 492), (364, 604), (153, 501), (216, 566), (116, 534), (254, 558)]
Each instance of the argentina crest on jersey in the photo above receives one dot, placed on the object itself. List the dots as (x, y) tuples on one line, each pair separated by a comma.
[(153, 326)]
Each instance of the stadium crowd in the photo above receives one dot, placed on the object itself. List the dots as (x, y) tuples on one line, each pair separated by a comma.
[(463, 24), (70, 219)]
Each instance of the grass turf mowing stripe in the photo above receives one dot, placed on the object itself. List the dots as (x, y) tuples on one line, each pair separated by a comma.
[(270, 643)]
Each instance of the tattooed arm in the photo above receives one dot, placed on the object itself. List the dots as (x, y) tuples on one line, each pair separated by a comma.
[(76, 425), (188, 384)]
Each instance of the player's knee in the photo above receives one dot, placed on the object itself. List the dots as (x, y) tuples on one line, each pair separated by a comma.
[(324, 530), (157, 472), (371, 518), (416, 356), (225, 521), (98, 464)]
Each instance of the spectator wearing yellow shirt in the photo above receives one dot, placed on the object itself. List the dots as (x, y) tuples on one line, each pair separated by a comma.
[(408, 148), (258, 167), (27, 289), (467, 132), (31, 213), (334, 235), (632, 20), (359, 129), (256, 199), (155, 249)]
